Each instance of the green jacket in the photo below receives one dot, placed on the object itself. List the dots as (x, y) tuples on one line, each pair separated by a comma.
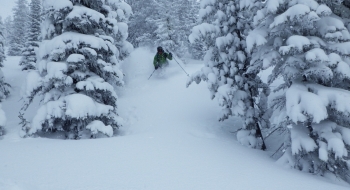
[(160, 59)]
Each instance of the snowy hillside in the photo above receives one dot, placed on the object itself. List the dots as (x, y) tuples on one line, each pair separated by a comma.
[(171, 139)]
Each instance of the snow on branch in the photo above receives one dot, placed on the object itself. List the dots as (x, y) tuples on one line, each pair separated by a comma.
[(201, 31), (80, 12), (294, 12), (273, 5), (76, 106), (311, 3), (302, 104), (341, 48), (72, 40), (301, 141), (98, 126), (256, 37), (316, 55), (333, 29), (333, 141), (336, 98), (96, 83), (123, 10), (56, 70), (323, 10), (295, 43)]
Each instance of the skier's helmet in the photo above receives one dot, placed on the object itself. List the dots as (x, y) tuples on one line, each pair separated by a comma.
[(160, 49)]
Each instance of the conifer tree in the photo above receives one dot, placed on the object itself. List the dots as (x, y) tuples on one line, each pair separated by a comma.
[(307, 45), (123, 12), (4, 87), (19, 28), (188, 18), (2, 31), (2, 43), (78, 69), (32, 43), (197, 48), (230, 79), (167, 21), (141, 26), (174, 20), (164, 23), (7, 30)]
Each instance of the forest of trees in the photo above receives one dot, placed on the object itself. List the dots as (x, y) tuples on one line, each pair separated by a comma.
[(72, 51)]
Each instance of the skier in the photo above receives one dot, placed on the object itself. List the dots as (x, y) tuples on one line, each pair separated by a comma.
[(160, 60)]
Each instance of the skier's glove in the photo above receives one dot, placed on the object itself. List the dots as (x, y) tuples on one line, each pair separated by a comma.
[(156, 67), (170, 55)]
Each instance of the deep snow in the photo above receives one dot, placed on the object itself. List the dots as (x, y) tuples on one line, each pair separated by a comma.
[(171, 140)]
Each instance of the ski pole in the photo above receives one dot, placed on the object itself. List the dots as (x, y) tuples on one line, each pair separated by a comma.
[(180, 65), (151, 74), (182, 68)]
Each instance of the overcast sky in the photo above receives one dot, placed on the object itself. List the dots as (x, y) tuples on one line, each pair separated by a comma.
[(6, 7)]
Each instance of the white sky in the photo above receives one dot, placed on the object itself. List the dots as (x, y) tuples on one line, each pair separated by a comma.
[(6, 7)]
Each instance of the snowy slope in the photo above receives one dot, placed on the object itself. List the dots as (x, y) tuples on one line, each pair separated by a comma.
[(171, 140)]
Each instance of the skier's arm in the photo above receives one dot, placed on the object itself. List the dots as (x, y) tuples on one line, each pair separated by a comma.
[(155, 62)]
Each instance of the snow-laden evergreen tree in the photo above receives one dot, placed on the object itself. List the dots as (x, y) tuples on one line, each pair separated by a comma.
[(32, 43), (196, 49), (2, 42), (167, 20), (164, 23), (7, 30), (308, 46), (241, 93), (188, 17), (4, 87), (19, 28), (141, 27), (122, 11), (202, 36), (78, 69), (2, 30)]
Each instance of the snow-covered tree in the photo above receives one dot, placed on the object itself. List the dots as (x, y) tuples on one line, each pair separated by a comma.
[(4, 91), (2, 30), (197, 49), (141, 28), (32, 43), (164, 23), (174, 20), (2, 42), (307, 45), (122, 12), (78, 69), (188, 19), (223, 27), (19, 28), (7, 29), (167, 20)]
